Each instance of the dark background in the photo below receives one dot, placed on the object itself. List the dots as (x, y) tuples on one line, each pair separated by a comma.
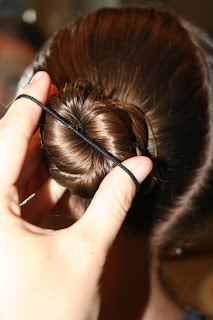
[(51, 14)]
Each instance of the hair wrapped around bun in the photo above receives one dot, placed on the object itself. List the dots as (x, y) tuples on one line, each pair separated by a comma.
[(117, 127), (164, 66)]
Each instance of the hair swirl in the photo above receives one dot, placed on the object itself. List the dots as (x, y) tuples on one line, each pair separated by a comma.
[(117, 127)]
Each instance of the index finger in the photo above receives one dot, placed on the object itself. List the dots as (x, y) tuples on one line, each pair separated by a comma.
[(18, 126)]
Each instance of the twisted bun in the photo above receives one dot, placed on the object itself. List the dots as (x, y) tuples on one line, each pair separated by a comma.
[(117, 127)]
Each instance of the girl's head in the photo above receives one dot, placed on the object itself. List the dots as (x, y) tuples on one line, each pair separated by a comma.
[(137, 82)]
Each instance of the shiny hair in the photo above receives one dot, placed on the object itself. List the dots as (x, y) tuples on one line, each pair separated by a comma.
[(137, 82)]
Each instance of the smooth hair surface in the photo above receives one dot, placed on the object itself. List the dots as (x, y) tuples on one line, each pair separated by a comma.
[(137, 82)]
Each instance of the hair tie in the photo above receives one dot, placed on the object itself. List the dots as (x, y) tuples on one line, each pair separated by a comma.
[(94, 145)]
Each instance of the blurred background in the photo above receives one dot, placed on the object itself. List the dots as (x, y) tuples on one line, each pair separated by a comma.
[(52, 14), (24, 26)]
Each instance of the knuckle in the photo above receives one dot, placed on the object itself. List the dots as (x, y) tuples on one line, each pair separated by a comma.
[(122, 202), (6, 130), (88, 249)]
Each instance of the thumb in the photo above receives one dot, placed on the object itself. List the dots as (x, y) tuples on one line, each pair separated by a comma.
[(108, 209)]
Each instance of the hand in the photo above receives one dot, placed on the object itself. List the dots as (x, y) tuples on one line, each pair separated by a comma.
[(52, 274)]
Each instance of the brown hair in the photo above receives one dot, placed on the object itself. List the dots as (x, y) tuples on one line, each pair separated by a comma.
[(134, 80)]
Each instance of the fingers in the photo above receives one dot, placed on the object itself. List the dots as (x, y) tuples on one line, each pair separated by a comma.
[(34, 155), (108, 209), (33, 159), (53, 90), (18, 126)]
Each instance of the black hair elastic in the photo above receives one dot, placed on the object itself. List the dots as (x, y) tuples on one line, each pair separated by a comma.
[(94, 145)]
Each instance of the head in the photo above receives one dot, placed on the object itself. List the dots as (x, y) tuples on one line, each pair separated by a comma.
[(137, 82)]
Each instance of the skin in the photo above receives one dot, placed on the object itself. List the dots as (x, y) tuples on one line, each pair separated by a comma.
[(46, 274)]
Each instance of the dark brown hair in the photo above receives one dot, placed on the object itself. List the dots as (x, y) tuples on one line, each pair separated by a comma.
[(136, 81)]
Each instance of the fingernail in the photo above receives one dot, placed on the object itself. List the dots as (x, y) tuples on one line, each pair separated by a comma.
[(143, 169), (36, 77)]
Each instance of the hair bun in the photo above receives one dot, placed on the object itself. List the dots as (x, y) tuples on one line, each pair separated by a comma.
[(117, 127)]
